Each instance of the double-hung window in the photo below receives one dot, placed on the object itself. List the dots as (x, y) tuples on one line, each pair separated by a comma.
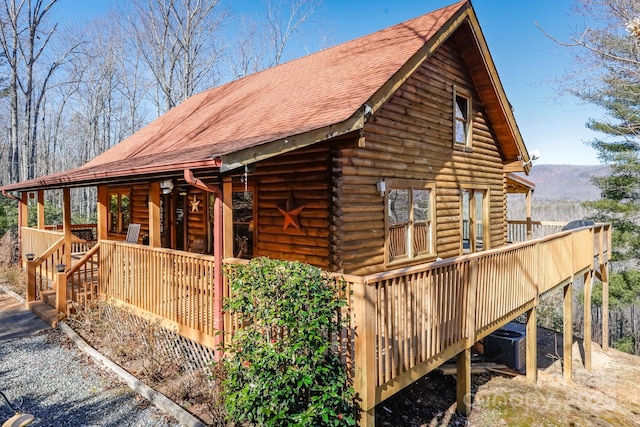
[(410, 227), (461, 118)]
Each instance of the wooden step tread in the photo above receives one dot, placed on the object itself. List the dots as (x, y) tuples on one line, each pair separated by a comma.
[(45, 312)]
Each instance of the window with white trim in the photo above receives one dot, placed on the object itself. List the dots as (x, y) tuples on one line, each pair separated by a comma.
[(461, 118), (410, 212)]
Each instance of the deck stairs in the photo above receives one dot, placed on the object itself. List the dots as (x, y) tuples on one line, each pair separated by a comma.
[(45, 307)]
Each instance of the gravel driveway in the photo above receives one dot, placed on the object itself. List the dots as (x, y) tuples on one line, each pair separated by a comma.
[(47, 376)]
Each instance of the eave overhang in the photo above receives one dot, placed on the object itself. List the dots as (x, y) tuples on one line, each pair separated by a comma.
[(109, 175)]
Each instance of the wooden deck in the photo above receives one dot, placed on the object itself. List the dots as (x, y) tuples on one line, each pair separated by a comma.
[(404, 323)]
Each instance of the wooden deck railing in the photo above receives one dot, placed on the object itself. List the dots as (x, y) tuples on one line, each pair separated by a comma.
[(82, 277), (418, 317), (85, 236), (174, 285), (37, 242), (404, 323), (518, 231)]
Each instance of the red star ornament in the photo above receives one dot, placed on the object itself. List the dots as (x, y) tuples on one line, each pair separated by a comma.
[(291, 214)]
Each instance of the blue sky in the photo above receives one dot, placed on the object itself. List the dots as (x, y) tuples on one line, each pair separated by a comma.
[(527, 61)]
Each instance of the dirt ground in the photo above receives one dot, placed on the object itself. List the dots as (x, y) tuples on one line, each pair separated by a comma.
[(609, 395)]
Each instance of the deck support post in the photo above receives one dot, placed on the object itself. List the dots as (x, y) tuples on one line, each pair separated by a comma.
[(365, 375), (586, 339), (463, 382), (41, 221), (532, 345), (66, 221), (567, 333), (604, 278)]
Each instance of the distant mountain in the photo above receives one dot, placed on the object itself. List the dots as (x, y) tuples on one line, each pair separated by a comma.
[(565, 182)]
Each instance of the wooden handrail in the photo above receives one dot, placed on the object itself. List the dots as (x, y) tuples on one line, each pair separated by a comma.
[(58, 243), (83, 260)]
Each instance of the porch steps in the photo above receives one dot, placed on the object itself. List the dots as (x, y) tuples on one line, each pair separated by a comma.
[(45, 312)]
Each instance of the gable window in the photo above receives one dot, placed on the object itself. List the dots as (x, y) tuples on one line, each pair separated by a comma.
[(461, 118), (119, 210), (409, 222)]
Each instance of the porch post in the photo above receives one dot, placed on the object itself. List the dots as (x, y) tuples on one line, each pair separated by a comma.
[(586, 340), (567, 334), (604, 278), (23, 221), (41, 221), (227, 194), (155, 240), (103, 213), (528, 207), (66, 219)]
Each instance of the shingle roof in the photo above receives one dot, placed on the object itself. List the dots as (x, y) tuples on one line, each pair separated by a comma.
[(310, 93), (305, 94)]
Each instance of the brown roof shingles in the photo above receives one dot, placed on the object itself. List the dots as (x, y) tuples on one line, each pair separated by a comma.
[(309, 93)]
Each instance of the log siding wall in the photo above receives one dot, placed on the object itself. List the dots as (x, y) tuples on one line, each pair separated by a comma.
[(411, 137), (303, 174)]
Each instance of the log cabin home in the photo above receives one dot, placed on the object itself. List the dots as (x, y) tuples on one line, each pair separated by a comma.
[(386, 159)]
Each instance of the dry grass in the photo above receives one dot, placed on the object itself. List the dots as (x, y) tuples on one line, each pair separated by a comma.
[(149, 352)]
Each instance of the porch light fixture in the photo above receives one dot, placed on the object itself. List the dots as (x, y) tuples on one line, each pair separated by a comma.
[(30, 257), (60, 268), (381, 186), (166, 186)]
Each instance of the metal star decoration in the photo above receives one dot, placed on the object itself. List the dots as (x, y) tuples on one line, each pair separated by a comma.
[(291, 214), (195, 204)]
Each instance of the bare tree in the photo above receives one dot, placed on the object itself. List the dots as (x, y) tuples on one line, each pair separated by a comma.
[(176, 40), (263, 43), (25, 40), (284, 26)]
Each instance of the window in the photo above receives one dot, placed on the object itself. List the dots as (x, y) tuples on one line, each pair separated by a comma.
[(461, 118), (473, 208), (119, 210), (409, 219)]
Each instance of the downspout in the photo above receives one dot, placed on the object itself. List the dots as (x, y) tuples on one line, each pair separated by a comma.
[(218, 247)]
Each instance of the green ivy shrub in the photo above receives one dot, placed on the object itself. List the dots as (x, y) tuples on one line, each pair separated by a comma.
[(282, 368)]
